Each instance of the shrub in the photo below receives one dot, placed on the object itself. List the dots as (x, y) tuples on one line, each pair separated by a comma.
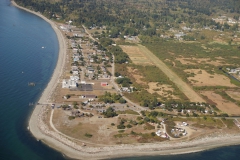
[(139, 118), (121, 131), (110, 113), (71, 117), (153, 134), (76, 107), (148, 126), (129, 126), (121, 126), (88, 135)]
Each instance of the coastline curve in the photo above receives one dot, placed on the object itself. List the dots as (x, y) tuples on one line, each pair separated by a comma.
[(166, 148)]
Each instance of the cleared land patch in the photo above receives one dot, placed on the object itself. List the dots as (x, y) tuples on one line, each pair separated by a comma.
[(187, 90), (138, 78), (136, 55), (234, 94), (202, 78), (104, 131), (163, 90), (99, 128), (222, 104)]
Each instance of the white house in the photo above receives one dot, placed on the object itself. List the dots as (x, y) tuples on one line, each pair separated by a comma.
[(75, 72), (233, 71), (74, 68), (90, 70), (179, 35), (74, 78)]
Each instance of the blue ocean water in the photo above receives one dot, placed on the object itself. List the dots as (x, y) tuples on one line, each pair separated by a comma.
[(23, 60)]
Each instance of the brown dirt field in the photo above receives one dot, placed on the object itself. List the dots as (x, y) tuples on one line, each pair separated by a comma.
[(204, 47), (136, 55), (136, 75), (100, 128), (163, 90), (206, 79), (235, 57), (234, 94), (220, 58), (171, 53), (222, 104), (219, 40), (186, 89)]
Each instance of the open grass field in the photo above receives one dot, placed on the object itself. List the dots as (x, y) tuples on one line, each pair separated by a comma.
[(99, 128), (136, 55), (196, 61), (202, 78), (206, 56), (186, 89), (103, 131), (222, 104)]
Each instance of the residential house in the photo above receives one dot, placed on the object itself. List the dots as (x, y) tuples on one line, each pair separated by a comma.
[(74, 68), (90, 70), (91, 60), (75, 58), (179, 35), (75, 72), (74, 78), (233, 71)]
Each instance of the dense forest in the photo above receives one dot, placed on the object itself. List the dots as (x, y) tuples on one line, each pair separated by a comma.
[(132, 17)]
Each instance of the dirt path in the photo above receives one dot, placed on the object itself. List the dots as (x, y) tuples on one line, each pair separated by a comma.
[(186, 89)]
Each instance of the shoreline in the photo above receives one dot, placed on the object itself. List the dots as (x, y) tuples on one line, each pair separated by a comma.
[(124, 150)]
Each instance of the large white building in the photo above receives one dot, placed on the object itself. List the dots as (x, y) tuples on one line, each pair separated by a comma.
[(68, 83)]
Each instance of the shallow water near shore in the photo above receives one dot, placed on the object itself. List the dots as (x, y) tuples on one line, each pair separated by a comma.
[(223, 153), (23, 60)]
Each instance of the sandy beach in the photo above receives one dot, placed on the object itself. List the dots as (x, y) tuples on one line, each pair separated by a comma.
[(69, 148)]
